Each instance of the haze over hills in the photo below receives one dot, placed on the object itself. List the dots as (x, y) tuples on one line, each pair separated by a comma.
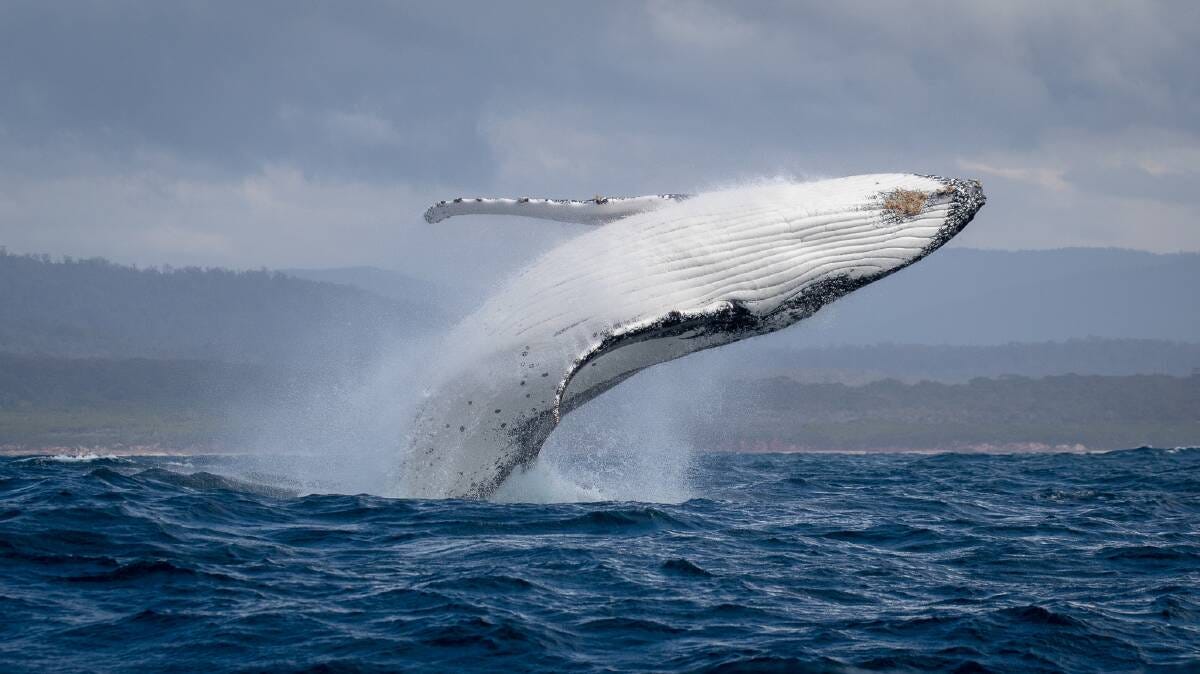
[(450, 301)]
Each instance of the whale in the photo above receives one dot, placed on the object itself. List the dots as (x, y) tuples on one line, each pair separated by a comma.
[(653, 278)]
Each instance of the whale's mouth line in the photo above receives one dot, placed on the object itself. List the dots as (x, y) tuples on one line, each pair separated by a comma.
[(966, 199)]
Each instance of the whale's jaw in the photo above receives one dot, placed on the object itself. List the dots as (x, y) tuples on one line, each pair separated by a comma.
[(966, 200)]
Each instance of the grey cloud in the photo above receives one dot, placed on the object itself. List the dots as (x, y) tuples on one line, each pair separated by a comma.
[(144, 131)]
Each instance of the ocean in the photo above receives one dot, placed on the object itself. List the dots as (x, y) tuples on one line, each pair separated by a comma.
[(779, 562)]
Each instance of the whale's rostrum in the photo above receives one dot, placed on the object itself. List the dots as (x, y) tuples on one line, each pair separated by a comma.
[(662, 276)]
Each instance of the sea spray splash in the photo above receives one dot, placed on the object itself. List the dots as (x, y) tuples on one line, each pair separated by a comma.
[(627, 446), (346, 434), (634, 443), (338, 431)]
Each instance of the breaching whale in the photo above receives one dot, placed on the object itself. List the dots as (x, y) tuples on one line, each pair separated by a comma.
[(660, 277)]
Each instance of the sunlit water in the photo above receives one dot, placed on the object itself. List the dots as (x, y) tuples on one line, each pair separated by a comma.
[(773, 562)]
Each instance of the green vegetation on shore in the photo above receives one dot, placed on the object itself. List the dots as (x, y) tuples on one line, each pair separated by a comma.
[(1098, 412), (47, 402)]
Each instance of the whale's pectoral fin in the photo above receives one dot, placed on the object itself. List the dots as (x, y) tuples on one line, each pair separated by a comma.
[(628, 349), (596, 211)]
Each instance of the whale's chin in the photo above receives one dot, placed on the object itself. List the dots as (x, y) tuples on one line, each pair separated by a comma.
[(967, 198)]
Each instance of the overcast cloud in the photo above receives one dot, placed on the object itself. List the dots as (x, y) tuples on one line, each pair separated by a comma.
[(305, 134)]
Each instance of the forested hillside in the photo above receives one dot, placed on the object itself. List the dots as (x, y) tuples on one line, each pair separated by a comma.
[(94, 308), (1098, 413)]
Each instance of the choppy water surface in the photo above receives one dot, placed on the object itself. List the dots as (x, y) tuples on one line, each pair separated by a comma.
[(788, 562)]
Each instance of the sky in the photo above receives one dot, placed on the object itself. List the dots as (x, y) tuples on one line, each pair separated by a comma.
[(297, 134)]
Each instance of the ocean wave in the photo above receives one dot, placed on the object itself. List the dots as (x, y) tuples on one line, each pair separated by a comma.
[(833, 563), (83, 457)]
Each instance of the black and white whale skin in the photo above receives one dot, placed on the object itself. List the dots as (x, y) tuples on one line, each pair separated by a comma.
[(662, 276)]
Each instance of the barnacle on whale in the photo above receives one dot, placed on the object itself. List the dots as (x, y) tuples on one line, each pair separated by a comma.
[(905, 202)]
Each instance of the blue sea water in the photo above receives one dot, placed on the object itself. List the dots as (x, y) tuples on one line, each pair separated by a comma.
[(833, 563)]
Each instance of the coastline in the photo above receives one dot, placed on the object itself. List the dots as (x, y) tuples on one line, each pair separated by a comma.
[(745, 447)]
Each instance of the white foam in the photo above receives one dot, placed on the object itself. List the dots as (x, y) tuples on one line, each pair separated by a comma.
[(628, 445), (339, 434), (81, 458)]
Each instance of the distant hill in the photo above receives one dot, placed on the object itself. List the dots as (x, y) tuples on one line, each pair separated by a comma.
[(452, 301), (94, 308), (914, 362)]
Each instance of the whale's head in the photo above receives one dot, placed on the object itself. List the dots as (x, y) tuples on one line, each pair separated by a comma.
[(825, 239)]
